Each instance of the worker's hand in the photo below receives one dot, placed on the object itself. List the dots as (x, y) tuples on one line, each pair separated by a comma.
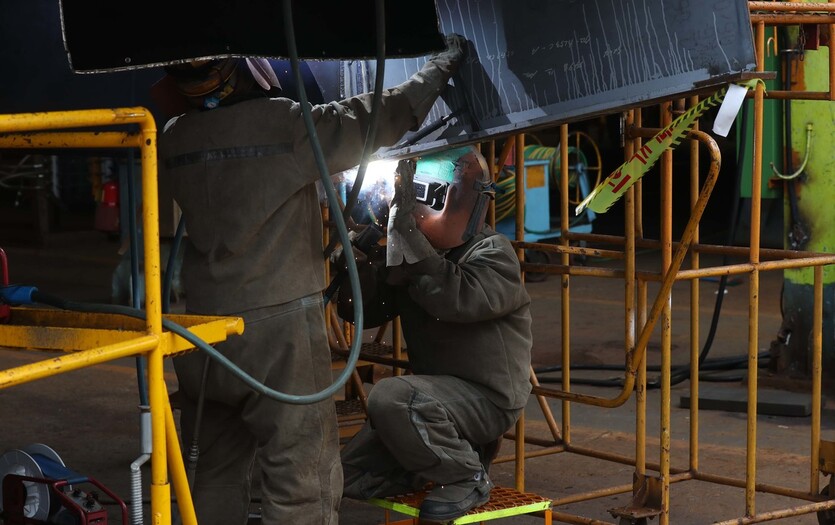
[(341, 264), (450, 59), (405, 242), (403, 201), (336, 254)]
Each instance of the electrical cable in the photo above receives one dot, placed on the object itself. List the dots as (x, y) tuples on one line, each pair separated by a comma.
[(376, 102), (173, 252), (133, 246), (193, 453), (57, 302)]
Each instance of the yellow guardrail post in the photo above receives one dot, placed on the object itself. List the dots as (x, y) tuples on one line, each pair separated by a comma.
[(29, 130)]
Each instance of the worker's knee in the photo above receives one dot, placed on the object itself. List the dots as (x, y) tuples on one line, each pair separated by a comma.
[(389, 397)]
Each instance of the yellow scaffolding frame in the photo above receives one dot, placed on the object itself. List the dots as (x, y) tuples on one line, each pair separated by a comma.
[(91, 339), (651, 492)]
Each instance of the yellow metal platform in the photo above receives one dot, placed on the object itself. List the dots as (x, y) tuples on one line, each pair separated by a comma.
[(504, 503)]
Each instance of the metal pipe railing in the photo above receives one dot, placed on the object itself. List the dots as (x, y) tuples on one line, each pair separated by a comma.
[(635, 355)]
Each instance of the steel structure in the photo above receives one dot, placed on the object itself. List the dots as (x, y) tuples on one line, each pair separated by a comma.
[(651, 487)]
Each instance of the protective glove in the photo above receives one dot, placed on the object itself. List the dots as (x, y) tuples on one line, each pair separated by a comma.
[(405, 242), (449, 60)]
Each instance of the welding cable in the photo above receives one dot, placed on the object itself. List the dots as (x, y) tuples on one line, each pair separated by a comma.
[(376, 102), (169, 267), (31, 295), (707, 371), (133, 237), (194, 447)]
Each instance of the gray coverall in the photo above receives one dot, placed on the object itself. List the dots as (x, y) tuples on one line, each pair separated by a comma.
[(244, 177), (467, 326)]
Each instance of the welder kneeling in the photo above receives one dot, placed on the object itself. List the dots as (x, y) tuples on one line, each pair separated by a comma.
[(457, 288)]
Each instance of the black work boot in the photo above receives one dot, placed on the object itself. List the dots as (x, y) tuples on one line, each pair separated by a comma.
[(447, 502)]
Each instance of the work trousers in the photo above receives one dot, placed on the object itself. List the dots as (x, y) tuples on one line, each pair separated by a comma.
[(420, 429), (286, 348)]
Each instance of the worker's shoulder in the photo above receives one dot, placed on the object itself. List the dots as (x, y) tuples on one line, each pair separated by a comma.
[(487, 240), (494, 238)]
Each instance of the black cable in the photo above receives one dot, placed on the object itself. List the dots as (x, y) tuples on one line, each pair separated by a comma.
[(376, 102), (169, 267), (706, 372)]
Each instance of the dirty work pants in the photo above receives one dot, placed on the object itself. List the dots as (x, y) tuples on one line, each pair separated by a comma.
[(420, 429), (285, 347)]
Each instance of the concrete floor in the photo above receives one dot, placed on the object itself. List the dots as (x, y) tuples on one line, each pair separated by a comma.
[(90, 417)]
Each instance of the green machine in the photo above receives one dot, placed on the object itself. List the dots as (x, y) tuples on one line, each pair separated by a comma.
[(808, 176)]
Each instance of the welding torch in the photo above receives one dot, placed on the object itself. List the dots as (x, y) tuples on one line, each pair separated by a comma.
[(363, 242)]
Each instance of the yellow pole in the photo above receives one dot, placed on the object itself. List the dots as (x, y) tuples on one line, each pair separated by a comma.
[(817, 349), (754, 286), (694, 306), (629, 306), (520, 235), (178, 470), (160, 488), (666, 317)]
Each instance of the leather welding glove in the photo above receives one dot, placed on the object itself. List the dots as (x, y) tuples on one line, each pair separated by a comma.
[(449, 60), (405, 242), (436, 73)]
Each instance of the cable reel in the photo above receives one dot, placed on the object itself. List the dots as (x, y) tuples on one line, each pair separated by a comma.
[(585, 170), (37, 488)]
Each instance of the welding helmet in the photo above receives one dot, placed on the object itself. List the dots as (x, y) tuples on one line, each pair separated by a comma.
[(208, 83), (453, 190)]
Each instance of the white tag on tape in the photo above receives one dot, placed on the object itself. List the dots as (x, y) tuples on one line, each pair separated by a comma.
[(729, 109)]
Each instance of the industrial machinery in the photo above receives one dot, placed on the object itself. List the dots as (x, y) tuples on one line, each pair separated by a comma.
[(541, 184), (38, 488), (542, 166)]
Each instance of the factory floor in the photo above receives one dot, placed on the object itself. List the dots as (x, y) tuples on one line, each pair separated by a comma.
[(90, 416)]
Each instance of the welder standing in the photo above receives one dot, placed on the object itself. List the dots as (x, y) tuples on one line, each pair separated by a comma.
[(243, 172), (458, 290)]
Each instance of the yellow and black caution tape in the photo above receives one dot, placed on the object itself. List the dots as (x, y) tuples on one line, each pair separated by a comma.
[(610, 190)]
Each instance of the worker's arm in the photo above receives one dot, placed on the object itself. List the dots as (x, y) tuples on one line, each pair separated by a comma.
[(378, 304), (486, 284), (342, 126)]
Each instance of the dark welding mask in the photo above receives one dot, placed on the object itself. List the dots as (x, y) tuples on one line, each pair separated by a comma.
[(210, 83), (453, 189)]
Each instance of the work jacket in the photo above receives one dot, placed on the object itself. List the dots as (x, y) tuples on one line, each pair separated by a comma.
[(244, 177), (466, 314)]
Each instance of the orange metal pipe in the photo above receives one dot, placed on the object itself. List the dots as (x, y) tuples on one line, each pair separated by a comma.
[(797, 7), (754, 285), (635, 357), (565, 296), (817, 350), (694, 307)]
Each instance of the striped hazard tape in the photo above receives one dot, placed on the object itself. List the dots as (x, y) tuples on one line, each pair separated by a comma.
[(610, 190)]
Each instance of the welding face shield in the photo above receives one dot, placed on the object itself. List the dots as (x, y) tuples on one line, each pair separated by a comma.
[(453, 189)]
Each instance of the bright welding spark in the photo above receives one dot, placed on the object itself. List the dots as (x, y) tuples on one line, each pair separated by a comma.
[(376, 192), (378, 183)]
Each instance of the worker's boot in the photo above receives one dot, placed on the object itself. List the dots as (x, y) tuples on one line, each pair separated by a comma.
[(450, 501)]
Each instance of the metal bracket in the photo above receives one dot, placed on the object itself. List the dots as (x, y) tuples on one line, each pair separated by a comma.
[(646, 501), (826, 463)]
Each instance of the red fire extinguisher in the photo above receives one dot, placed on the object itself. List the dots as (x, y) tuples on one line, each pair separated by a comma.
[(5, 310), (107, 212)]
